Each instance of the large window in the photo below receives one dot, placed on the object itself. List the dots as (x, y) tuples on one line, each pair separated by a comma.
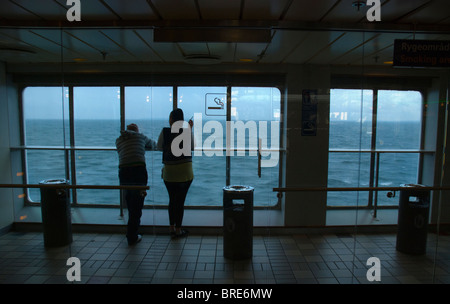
[(149, 108), (256, 111), (399, 123), (46, 123), (70, 133), (374, 141), (96, 124), (209, 162)]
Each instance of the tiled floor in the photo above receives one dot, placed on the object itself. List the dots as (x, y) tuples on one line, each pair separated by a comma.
[(315, 259)]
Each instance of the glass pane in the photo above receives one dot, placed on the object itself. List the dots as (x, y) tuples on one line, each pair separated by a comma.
[(399, 120), (43, 165), (255, 116), (399, 123), (97, 116), (95, 168), (45, 113), (149, 108), (350, 119), (207, 104), (350, 135), (97, 124), (46, 119)]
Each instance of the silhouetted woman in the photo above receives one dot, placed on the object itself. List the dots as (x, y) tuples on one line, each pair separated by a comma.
[(177, 171)]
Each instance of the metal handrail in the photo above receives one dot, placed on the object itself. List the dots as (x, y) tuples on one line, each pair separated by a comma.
[(305, 189), (106, 148), (376, 173), (392, 189), (66, 186)]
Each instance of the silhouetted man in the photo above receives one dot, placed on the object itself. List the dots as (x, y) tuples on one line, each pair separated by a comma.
[(131, 146)]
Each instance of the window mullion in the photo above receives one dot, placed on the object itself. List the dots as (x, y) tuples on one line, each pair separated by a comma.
[(373, 146), (73, 171), (122, 107)]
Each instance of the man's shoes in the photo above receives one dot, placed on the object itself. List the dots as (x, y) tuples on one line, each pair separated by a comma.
[(137, 240)]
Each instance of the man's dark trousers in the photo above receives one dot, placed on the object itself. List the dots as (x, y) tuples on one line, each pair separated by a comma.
[(133, 175)]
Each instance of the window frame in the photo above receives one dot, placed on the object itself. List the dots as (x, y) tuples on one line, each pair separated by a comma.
[(375, 153), (70, 159)]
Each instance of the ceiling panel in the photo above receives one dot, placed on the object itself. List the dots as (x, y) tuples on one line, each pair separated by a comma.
[(289, 44), (138, 10), (263, 9), (11, 36), (356, 48), (392, 11), (102, 42), (165, 51), (131, 44), (36, 38), (45, 9), (45, 45), (168, 52), (176, 9), (225, 51), (189, 49), (436, 11), (92, 10), (248, 51), (347, 45), (344, 11), (314, 44), (284, 42), (380, 50), (13, 39), (10, 10), (229, 9), (309, 10)]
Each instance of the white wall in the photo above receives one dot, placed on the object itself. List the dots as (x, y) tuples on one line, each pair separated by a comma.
[(306, 156)]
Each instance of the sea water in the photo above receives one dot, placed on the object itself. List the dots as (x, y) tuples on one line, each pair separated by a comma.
[(100, 167)]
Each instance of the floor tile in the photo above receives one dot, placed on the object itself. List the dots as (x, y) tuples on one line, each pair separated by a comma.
[(287, 259)]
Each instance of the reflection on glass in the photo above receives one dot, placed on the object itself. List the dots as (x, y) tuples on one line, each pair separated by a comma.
[(149, 108), (45, 114), (96, 115), (97, 168), (255, 109), (43, 165), (209, 167), (399, 122), (348, 170), (97, 124), (350, 130), (398, 128)]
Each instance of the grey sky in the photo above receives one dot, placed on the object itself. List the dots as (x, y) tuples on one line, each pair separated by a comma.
[(156, 103)]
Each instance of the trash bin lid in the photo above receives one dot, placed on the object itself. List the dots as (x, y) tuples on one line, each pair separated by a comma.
[(238, 188), (54, 181)]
